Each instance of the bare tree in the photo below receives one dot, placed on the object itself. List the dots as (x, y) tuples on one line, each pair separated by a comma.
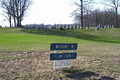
[(79, 12), (17, 9), (6, 7)]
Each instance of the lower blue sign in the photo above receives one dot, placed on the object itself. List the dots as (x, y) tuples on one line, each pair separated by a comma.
[(62, 56)]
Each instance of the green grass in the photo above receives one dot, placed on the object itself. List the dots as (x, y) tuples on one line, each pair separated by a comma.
[(104, 35), (16, 39), (100, 49), (90, 42)]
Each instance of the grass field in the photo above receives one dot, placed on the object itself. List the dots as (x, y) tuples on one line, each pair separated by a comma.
[(24, 54)]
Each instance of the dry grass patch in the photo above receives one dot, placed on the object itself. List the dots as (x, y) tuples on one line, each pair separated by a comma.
[(39, 67)]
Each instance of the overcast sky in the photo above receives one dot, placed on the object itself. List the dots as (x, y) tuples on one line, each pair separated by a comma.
[(48, 12)]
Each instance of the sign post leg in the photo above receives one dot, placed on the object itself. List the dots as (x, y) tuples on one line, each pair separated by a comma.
[(72, 60), (54, 61)]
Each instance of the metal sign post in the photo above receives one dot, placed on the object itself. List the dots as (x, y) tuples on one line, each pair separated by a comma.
[(63, 59), (54, 60)]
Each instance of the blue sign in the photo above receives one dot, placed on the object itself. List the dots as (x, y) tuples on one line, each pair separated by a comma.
[(62, 56), (63, 46)]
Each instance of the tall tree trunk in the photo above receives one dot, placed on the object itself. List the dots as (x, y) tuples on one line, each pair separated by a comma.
[(18, 22), (117, 22), (81, 14), (10, 21), (14, 21), (14, 14)]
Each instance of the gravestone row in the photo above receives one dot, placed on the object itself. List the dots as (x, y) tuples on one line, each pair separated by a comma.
[(48, 27)]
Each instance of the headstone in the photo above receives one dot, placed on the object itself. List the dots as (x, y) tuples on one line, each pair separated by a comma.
[(98, 28), (108, 26), (105, 26), (112, 26), (23, 27), (69, 26), (75, 26), (64, 26), (72, 27)]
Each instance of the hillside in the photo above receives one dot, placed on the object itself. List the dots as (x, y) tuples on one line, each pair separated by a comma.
[(25, 54)]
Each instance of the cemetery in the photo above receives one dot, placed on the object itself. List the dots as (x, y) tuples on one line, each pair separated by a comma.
[(87, 47), (52, 54), (64, 26)]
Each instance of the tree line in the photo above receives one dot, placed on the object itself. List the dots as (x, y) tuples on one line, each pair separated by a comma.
[(97, 17), (86, 17)]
